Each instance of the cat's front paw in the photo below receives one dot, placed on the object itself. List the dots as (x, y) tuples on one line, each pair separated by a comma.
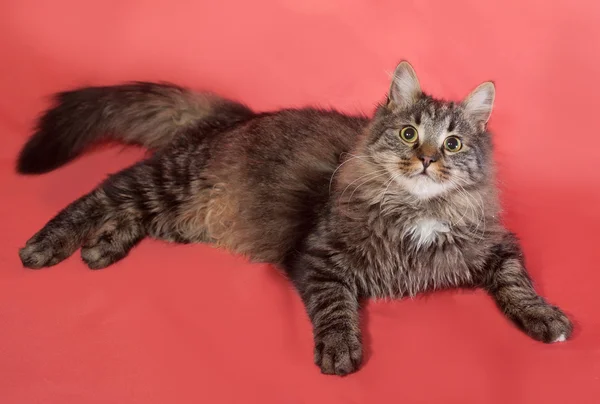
[(545, 323), (338, 353)]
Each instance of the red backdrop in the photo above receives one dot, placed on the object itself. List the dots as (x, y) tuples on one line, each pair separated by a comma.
[(190, 324)]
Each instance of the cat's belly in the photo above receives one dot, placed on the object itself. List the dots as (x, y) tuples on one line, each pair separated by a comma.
[(229, 216)]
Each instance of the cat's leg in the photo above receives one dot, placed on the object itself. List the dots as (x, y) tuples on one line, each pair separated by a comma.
[(332, 303), (155, 197), (107, 222), (105, 235), (62, 235), (510, 286)]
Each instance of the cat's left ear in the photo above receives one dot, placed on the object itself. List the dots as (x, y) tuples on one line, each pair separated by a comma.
[(479, 104)]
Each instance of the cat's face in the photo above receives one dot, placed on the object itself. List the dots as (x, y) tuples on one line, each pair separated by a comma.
[(431, 147)]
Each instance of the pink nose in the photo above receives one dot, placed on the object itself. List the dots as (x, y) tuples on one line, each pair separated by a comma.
[(426, 160)]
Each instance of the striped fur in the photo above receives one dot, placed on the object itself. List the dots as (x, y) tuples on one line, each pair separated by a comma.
[(341, 203)]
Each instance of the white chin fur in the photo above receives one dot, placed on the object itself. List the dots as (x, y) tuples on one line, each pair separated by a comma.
[(423, 187)]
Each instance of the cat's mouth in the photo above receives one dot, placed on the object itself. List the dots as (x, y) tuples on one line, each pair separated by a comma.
[(426, 175), (422, 173)]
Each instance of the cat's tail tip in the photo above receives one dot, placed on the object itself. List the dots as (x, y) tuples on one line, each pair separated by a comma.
[(42, 154)]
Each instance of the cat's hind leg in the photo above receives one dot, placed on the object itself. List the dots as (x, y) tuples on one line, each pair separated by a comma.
[(106, 223), (162, 197), (104, 235), (64, 234)]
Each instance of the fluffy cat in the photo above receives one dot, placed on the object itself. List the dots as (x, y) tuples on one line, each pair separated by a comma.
[(349, 207)]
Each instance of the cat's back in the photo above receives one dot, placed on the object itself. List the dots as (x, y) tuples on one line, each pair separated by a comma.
[(271, 178), (286, 150), (307, 133)]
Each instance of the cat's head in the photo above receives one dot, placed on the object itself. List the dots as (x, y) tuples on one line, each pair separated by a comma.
[(431, 147)]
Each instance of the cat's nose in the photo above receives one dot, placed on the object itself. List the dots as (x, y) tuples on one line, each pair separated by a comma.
[(427, 160)]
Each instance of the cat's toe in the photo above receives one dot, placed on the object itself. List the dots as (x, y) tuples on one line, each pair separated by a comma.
[(338, 353), (561, 338)]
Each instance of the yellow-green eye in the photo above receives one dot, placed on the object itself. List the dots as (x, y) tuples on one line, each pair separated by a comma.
[(452, 144), (409, 134)]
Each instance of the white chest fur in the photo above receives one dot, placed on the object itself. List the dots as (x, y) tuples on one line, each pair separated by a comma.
[(425, 232)]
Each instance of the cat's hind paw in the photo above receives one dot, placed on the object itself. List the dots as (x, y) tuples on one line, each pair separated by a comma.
[(101, 254), (41, 251)]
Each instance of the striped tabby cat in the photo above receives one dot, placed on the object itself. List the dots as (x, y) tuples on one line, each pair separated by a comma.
[(350, 207)]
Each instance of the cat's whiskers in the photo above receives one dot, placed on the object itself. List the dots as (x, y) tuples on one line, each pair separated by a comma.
[(478, 214), (478, 202), (460, 190), (348, 208), (468, 212), (382, 200), (481, 219), (367, 180), (340, 166), (376, 173)]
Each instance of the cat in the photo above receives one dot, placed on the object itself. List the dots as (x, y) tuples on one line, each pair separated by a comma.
[(349, 207)]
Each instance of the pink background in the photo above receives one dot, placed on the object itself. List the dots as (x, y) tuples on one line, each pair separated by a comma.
[(191, 324)]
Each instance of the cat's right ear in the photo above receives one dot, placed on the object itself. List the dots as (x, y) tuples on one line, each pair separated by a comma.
[(405, 88)]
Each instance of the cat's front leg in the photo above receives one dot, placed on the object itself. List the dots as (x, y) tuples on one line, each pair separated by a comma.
[(331, 301), (333, 308), (508, 283)]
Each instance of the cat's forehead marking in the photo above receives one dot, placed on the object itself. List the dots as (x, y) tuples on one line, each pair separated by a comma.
[(434, 129)]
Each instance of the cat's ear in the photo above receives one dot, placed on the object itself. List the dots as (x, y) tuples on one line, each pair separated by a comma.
[(405, 88), (479, 104)]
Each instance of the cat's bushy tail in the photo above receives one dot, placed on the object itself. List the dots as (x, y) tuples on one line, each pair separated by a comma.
[(147, 114)]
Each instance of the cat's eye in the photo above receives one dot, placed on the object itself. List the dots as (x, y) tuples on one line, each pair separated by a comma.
[(409, 134), (452, 144)]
